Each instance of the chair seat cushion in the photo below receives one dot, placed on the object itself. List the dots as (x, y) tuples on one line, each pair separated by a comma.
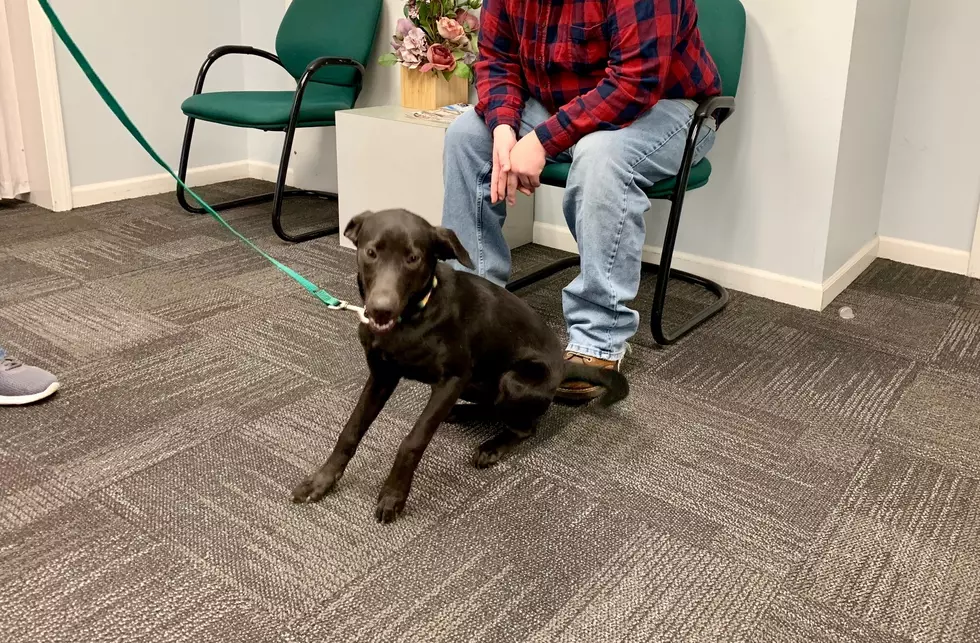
[(556, 174), (270, 110)]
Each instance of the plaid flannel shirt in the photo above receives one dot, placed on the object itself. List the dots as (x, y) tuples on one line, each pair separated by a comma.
[(595, 64)]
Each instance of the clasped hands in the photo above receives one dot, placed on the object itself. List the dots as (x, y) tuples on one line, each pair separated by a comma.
[(517, 165)]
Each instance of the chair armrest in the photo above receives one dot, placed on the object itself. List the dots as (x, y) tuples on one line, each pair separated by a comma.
[(225, 50), (304, 80), (324, 61), (719, 107), (327, 61)]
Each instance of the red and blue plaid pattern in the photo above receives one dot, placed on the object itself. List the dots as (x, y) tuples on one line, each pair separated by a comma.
[(595, 64)]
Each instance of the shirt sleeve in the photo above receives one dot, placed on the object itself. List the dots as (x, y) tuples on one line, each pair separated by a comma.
[(500, 88), (642, 36)]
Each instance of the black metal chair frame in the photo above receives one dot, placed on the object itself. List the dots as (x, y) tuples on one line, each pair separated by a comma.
[(280, 192), (719, 107)]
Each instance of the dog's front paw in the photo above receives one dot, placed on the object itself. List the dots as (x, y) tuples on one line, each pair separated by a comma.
[(390, 504), (314, 487)]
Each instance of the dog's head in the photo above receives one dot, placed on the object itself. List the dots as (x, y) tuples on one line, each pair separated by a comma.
[(397, 253)]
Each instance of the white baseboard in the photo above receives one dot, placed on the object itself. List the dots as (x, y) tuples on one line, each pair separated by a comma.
[(840, 280), (269, 172), (924, 255), (761, 283), (788, 290), (95, 193), (85, 195)]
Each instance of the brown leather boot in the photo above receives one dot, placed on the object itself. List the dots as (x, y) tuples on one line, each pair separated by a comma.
[(577, 390)]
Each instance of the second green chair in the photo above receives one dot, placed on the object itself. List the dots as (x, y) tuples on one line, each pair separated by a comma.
[(324, 45)]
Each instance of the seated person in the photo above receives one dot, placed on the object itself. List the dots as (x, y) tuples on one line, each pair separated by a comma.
[(610, 87)]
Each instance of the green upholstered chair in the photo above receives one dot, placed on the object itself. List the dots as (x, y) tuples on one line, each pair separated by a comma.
[(324, 45), (722, 24)]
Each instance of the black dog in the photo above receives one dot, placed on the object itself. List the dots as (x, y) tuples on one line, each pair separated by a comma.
[(467, 337)]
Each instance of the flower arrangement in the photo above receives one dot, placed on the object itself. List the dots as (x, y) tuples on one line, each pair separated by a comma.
[(436, 36)]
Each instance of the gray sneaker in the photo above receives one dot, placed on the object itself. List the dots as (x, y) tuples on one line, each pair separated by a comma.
[(22, 384)]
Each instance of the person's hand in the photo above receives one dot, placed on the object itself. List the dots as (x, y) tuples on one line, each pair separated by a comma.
[(504, 140), (527, 160)]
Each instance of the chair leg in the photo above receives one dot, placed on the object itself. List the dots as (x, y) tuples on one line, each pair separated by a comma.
[(660, 335), (281, 192), (287, 148), (552, 268), (664, 274), (251, 200)]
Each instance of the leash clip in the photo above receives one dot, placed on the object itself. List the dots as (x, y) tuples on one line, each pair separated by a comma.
[(343, 305)]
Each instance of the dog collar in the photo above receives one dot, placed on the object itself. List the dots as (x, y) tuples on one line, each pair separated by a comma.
[(428, 295), (425, 300)]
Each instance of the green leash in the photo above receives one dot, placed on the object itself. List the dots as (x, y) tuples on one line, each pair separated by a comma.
[(332, 302)]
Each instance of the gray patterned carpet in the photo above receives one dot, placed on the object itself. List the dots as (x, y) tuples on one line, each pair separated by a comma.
[(782, 475)]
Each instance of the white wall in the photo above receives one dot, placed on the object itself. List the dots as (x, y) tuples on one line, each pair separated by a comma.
[(776, 161), (143, 39), (768, 203), (314, 161), (148, 54), (932, 187), (795, 190), (259, 22), (872, 84)]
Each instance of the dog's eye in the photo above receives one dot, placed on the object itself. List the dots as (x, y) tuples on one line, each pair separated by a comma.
[(371, 254), (412, 259)]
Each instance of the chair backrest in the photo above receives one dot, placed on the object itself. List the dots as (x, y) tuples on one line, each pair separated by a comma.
[(722, 24), (314, 28)]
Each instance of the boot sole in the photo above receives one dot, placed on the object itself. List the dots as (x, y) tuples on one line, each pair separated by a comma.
[(581, 395)]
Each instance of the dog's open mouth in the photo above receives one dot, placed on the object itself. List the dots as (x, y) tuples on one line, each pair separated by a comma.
[(380, 328)]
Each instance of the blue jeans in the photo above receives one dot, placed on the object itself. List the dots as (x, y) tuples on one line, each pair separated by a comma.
[(603, 205)]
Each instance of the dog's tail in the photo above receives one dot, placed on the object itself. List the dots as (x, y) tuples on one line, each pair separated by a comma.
[(613, 381)]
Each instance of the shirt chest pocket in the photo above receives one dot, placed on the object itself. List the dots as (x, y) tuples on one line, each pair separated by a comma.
[(581, 46)]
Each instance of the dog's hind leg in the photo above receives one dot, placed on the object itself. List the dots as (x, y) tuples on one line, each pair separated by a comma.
[(480, 408), (490, 452), (520, 405)]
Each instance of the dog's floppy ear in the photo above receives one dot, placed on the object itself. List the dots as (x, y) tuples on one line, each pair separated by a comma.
[(354, 226), (447, 246)]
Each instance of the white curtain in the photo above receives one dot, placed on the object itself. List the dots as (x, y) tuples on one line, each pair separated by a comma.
[(13, 160)]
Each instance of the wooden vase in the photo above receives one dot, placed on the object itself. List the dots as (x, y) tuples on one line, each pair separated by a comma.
[(432, 90)]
